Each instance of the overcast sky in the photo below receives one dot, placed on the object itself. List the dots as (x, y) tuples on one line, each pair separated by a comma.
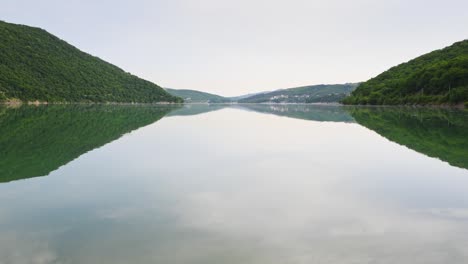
[(242, 46)]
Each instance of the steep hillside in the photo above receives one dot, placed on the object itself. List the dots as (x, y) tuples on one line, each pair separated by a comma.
[(35, 65), (438, 77)]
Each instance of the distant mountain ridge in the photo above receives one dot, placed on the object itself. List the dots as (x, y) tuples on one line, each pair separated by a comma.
[(193, 96), (438, 77), (37, 66), (240, 97), (323, 93)]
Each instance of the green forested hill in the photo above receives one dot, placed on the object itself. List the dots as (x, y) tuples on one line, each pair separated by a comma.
[(439, 77), (192, 96), (307, 94), (35, 65)]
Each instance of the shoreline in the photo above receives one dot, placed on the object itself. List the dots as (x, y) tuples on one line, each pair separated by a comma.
[(18, 103), (39, 103)]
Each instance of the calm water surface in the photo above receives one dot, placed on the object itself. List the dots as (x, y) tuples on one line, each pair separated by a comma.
[(233, 184)]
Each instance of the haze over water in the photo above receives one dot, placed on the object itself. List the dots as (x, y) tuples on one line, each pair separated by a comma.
[(233, 184)]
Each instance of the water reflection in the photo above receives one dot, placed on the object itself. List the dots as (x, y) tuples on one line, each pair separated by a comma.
[(37, 140), (438, 133), (196, 109), (240, 187), (326, 113)]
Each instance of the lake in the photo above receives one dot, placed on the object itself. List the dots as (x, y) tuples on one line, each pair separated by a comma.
[(259, 184)]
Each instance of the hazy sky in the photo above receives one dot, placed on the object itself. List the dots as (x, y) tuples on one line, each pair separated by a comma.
[(241, 46)]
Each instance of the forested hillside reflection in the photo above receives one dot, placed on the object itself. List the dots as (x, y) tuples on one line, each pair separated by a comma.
[(35, 141), (437, 133), (196, 109), (323, 113)]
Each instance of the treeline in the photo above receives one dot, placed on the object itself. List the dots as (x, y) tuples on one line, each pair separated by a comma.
[(439, 77), (35, 65)]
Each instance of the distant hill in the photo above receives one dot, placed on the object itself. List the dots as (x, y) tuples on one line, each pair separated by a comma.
[(307, 94), (192, 96), (320, 113), (240, 97), (438, 77), (35, 65)]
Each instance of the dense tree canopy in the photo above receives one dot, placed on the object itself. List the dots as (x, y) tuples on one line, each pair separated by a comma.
[(435, 78), (35, 65)]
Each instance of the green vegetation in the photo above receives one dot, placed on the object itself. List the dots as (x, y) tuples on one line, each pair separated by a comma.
[(35, 65), (192, 96), (433, 132), (307, 94), (439, 77), (37, 140)]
